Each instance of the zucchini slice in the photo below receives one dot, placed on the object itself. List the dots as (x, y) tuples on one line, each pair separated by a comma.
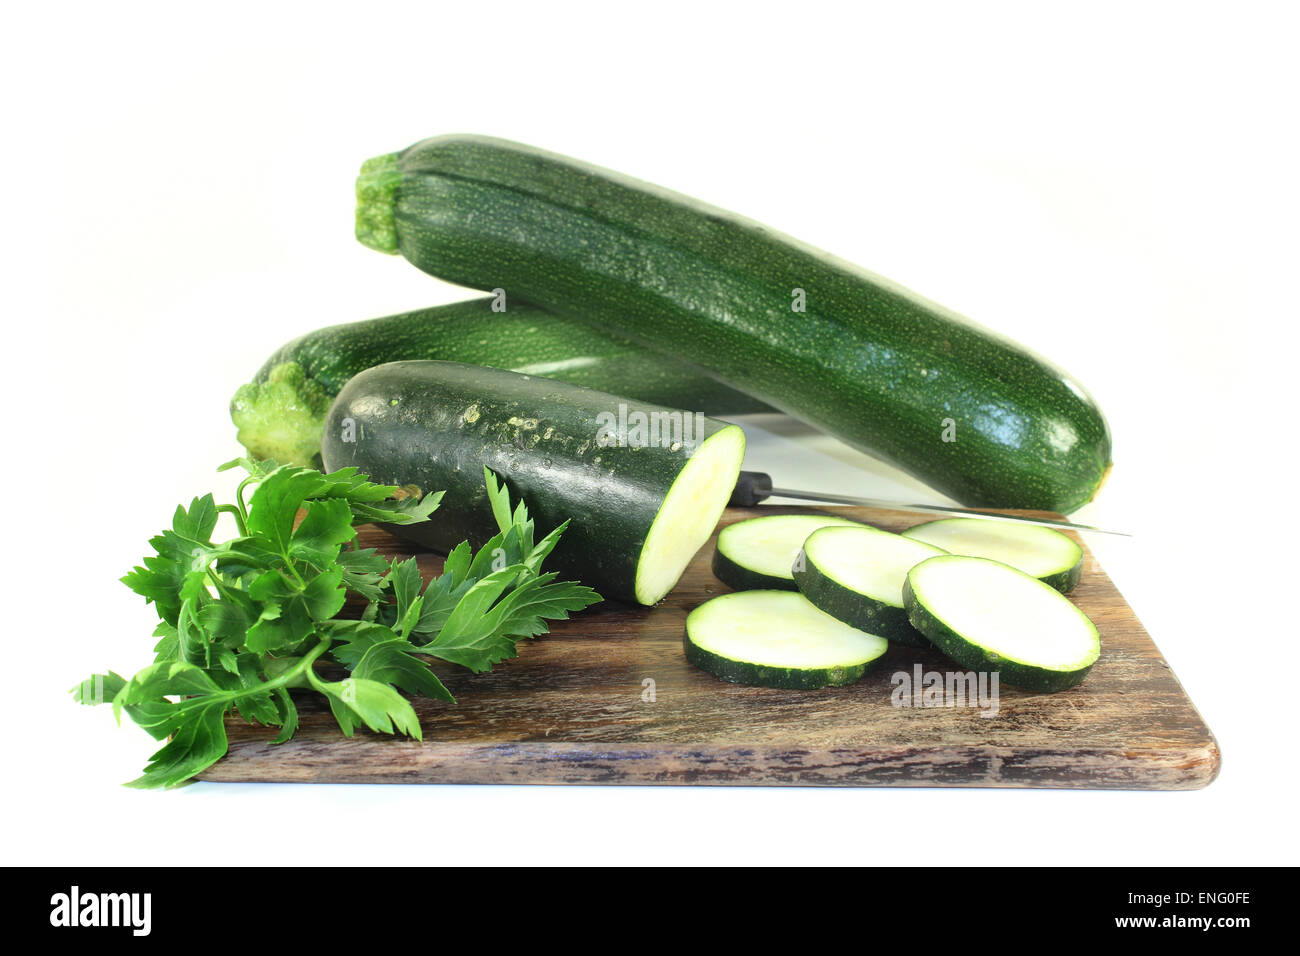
[(777, 639), (989, 616), (857, 575), (1048, 555), (757, 553)]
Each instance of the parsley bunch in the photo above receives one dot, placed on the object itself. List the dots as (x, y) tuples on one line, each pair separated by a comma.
[(246, 620)]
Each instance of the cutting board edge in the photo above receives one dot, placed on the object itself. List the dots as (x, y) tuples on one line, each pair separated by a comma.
[(390, 761)]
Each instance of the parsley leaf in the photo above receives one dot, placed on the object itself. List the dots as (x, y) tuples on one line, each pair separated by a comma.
[(245, 621)]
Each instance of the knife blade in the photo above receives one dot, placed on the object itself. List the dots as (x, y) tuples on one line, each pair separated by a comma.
[(755, 486)]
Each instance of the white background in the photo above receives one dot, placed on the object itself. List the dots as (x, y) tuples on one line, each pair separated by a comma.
[(1113, 185)]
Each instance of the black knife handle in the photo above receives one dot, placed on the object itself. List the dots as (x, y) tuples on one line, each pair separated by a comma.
[(751, 488)]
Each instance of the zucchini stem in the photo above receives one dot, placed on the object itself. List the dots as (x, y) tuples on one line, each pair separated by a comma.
[(376, 194)]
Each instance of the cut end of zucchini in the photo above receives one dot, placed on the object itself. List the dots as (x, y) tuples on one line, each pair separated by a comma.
[(689, 513), (1048, 555), (282, 417), (376, 195), (777, 639), (988, 615)]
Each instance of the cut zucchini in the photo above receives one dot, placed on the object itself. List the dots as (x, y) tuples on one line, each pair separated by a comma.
[(637, 511), (857, 574), (1040, 552), (757, 553), (990, 616), (777, 639)]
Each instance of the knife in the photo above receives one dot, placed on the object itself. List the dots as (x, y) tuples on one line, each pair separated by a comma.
[(755, 486)]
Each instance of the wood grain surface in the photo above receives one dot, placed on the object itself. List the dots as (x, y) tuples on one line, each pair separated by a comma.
[(577, 707)]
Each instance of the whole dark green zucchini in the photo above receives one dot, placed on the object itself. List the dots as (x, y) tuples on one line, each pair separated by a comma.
[(963, 409), (280, 413), (642, 485)]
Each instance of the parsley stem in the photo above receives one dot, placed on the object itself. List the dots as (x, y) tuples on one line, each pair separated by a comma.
[(316, 683), (305, 664), (288, 563), (218, 584), (288, 677), (239, 498), (240, 517)]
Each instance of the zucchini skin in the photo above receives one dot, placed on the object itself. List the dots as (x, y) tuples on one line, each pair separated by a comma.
[(879, 367), (766, 675), (854, 609), (435, 425), (523, 338), (740, 578), (1065, 581), (1036, 679)]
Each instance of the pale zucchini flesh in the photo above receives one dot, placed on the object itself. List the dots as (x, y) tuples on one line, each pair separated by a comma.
[(990, 616), (777, 639), (1043, 553), (689, 513), (759, 553)]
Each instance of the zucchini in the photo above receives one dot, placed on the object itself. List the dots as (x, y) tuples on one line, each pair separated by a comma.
[(1043, 553), (777, 639), (280, 413), (758, 553), (965, 410), (639, 509), (856, 575), (989, 616)]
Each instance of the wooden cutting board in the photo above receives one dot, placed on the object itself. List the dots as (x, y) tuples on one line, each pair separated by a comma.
[(608, 698)]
